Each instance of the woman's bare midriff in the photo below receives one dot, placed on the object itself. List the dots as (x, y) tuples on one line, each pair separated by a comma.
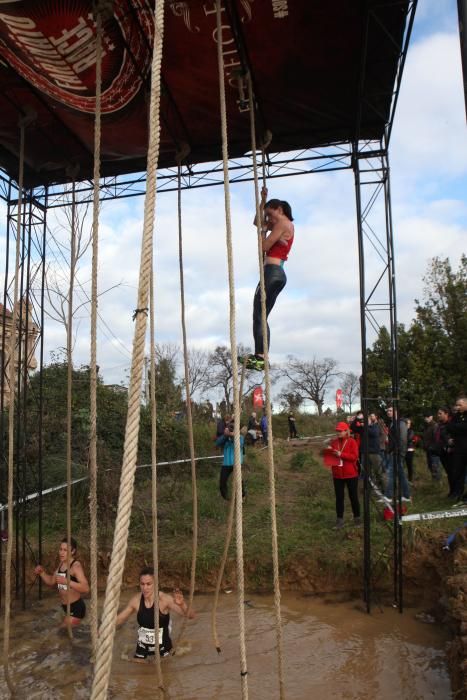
[(272, 261)]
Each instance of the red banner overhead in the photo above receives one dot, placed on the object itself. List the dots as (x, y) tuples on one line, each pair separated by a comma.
[(305, 60)]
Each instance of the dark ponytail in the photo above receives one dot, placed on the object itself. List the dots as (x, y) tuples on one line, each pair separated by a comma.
[(276, 203)]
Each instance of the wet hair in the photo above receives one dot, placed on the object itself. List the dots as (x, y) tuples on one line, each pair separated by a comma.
[(276, 203), (74, 544), (146, 571)]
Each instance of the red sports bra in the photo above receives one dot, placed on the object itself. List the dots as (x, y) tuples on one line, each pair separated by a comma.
[(280, 249)]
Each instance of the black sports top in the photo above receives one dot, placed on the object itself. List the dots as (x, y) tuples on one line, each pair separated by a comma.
[(145, 617), (62, 586)]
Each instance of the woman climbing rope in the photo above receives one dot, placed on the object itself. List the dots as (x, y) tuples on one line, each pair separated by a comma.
[(78, 582), (143, 606), (277, 219)]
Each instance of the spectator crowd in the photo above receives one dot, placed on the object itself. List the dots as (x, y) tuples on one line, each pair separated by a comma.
[(443, 438)]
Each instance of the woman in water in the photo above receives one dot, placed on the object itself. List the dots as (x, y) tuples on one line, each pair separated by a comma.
[(143, 605), (78, 582), (276, 245)]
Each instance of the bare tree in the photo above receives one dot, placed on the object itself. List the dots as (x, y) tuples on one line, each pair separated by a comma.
[(220, 374), (310, 380), (350, 386), (290, 400), (198, 370), (64, 261)]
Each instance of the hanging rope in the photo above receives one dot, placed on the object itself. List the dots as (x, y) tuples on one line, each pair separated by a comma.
[(228, 537), (69, 395), (114, 581), (270, 447), (233, 350), (11, 414), (194, 548), (155, 534), (93, 359)]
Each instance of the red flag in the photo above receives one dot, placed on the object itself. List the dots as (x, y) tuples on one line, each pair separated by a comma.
[(339, 399), (258, 397)]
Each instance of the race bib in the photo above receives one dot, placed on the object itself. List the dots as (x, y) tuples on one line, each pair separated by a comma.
[(147, 636), (62, 586)]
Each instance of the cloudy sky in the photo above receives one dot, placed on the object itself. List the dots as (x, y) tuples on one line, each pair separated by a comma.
[(317, 315)]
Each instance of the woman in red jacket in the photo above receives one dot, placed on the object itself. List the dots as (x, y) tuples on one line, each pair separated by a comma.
[(343, 451)]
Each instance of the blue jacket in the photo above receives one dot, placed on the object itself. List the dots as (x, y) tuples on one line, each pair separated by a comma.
[(228, 444)]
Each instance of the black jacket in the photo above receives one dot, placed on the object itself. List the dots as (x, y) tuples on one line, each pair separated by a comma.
[(457, 429)]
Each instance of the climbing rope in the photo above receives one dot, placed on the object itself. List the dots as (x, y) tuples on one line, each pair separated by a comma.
[(122, 521), (11, 415), (155, 534), (69, 394), (93, 358), (194, 548), (233, 350), (228, 537), (270, 447)]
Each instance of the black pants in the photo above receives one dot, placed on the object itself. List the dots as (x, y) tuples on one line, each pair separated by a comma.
[(274, 282), (292, 430), (459, 466), (409, 463), (224, 477), (352, 488), (447, 462)]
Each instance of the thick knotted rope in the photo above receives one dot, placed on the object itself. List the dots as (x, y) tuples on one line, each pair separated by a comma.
[(155, 535), (107, 628), (270, 447), (93, 359), (194, 547), (233, 350), (69, 395), (228, 537)]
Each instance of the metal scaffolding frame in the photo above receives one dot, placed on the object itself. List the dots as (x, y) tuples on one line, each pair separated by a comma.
[(378, 308), (369, 163), (27, 474)]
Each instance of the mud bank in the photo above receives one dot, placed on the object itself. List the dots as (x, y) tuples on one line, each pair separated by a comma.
[(456, 608)]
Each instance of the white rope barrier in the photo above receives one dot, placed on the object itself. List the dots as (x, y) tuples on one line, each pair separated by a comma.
[(32, 496), (434, 515)]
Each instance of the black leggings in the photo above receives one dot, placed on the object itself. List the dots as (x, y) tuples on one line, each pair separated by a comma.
[(352, 487), (409, 462), (224, 477), (274, 282)]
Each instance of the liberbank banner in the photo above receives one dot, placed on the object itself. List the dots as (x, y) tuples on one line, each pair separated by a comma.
[(304, 58)]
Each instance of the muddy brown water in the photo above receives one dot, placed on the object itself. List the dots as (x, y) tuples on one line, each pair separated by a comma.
[(331, 651)]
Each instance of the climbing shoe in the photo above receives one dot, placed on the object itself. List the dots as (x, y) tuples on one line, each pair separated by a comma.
[(252, 362), (339, 524)]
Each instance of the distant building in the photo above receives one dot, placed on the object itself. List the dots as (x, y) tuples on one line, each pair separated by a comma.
[(26, 340), (117, 388)]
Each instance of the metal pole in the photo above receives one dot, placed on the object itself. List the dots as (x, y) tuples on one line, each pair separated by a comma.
[(363, 384), (41, 384), (397, 457), (20, 474), (25, 393), (462, 12), (3, 485)]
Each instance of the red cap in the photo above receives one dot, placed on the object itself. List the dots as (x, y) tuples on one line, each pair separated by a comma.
[(342, 426)]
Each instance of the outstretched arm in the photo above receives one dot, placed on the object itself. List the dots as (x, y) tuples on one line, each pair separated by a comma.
[(177, 603), (48, 579), (127, 612)]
